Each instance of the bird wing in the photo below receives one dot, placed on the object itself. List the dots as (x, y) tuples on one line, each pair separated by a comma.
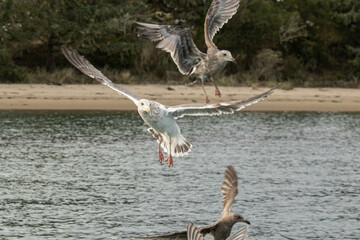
[(174, 235), (193, 233), (182, 235), (241, 234), (229, 190), (175, 40), (203, 109), (219, 13), (86, 67)]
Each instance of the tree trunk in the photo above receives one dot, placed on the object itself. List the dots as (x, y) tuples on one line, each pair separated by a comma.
[(50, 63)]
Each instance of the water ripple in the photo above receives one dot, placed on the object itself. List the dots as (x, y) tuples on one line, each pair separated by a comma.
[(94, 175)]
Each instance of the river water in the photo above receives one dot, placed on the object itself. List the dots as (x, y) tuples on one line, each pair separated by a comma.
[(95, 175)]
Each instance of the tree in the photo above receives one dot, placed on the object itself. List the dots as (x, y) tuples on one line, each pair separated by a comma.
[(96, 27)]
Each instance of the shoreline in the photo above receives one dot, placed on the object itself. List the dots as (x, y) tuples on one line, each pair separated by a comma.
[(99, 97)]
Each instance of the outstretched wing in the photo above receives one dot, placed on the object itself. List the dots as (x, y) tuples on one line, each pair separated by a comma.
[(241, 234), (86, 67), (193, 233), (215, 108), (176, 235), (175, 40), (219, 13), (229, 190), (183, 235)]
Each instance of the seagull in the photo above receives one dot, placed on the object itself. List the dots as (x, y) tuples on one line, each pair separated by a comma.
[(179, 43), (159, 117), (220, 229), (194, 234)]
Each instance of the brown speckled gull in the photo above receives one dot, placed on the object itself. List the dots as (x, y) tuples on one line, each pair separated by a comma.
[(220, 229), (179, 43)]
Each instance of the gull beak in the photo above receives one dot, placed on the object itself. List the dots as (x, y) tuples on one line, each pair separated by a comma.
[(246, 221), (148, 110), (233, 60)]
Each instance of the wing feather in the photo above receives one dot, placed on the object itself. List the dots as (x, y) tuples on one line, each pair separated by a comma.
[(175, 235), (175, 40), (215, 108), (87, 68), (229, 190), (219, 13), (193, 233), (241, 234), (204, 230)]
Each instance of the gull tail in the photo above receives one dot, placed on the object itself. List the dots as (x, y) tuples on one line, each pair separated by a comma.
[(179, 145)]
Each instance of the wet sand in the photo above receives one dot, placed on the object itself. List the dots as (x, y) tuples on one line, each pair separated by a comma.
[(98, 97)]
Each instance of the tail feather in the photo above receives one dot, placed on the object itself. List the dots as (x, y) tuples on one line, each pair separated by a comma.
[(179, 145)]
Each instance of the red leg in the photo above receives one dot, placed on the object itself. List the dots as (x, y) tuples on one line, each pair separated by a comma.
[(206, 97), (217, 91), (170, 161), (161, 155), (169, 158)]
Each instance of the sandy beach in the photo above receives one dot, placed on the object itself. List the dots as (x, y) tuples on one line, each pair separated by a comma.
[(98, 97)]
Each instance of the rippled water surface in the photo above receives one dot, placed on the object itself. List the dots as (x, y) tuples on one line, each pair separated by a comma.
[(95, 175)]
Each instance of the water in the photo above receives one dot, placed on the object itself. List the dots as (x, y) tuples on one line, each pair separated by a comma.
[(95, 175)]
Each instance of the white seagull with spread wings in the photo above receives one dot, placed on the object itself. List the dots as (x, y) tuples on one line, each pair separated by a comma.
[(161, 118), (179, 43)]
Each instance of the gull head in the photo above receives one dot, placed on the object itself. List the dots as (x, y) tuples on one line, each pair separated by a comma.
[(144, 106), (239, 218), (225, 56)]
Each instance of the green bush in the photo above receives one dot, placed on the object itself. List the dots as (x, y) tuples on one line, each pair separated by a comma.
[(11, 73)]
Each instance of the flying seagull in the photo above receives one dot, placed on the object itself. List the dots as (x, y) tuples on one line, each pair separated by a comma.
[(179, 43), (194, 234), (161, 118), (220, 229)]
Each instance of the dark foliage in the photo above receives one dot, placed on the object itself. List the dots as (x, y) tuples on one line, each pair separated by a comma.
[(303, 42)]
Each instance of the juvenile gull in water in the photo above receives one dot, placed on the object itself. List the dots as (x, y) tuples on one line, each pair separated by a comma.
[(179, 43), (161, 118), (193, 233), (220, 229)]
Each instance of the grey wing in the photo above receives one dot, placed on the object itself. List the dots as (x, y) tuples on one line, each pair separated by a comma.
[(229, 190), (215, 108), (176, 235), (241, 234), (87, 68), (219, 13), (183, 234), (175, 40), (193, 233)]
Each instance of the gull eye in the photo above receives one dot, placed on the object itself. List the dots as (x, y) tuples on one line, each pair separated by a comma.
[(142, 104), (224, 54)]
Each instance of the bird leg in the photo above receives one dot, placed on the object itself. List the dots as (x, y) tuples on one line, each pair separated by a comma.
[(206, 97), (170, 161), (169, 158), (191, 83), (161, 156), (217, 91)]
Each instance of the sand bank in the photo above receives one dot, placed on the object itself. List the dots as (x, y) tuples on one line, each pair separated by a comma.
[(98, 97)]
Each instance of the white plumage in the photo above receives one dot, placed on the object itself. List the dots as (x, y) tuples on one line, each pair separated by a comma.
[(161, 118)]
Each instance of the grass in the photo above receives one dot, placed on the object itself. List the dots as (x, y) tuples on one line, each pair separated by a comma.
[(73, 76)]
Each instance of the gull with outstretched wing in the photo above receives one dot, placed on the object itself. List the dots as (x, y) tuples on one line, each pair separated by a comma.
[(193, 233), (179, 43), (161, 118), (220, 229)]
